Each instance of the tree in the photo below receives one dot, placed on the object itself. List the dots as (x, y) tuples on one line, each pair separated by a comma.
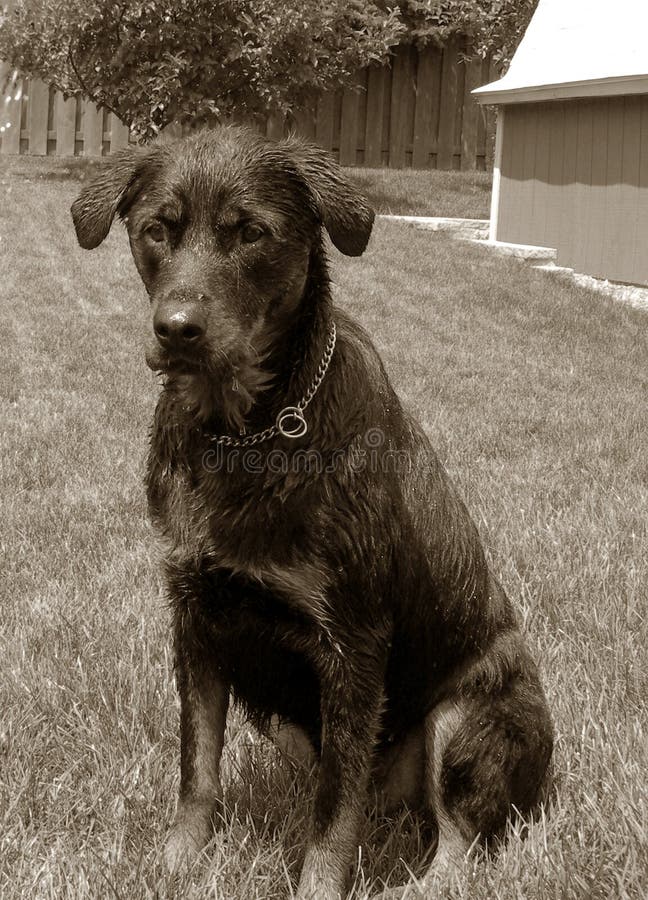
[(153, 62), (493, 27)]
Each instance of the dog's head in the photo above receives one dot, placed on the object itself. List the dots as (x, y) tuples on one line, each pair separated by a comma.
[(222, 227)]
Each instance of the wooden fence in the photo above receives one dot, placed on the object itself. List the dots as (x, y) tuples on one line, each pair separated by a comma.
[(416, 112)]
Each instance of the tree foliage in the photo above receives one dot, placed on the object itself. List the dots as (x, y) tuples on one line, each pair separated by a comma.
[(492, 26), (157, 61), (153, 62)]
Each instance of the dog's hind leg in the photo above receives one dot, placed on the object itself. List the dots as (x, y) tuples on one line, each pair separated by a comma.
[(398, 775), (441, 726), (292, 742), (487, 752)]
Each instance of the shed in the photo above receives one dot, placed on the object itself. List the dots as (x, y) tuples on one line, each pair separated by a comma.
[(571, 153)]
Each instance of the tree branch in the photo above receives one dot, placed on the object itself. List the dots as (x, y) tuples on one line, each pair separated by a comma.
[(86, 90)]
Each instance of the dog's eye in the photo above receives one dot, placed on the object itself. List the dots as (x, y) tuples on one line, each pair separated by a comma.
[(156, 232), (251, 233)]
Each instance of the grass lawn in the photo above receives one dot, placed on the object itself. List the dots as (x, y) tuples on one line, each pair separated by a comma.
[(464, 195), (412, 192), (535, 395)]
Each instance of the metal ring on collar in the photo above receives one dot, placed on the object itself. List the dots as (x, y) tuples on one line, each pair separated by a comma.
[(291, 414)]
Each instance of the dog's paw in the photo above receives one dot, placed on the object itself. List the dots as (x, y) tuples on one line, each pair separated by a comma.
[(316, 889), (402, 892), (186, 840), (439, 881)]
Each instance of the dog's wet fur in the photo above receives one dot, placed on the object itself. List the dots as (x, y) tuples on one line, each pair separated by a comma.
[(348, 606)]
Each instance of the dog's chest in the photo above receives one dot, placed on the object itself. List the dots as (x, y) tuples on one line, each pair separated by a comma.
[(236, 533), (239, 521)]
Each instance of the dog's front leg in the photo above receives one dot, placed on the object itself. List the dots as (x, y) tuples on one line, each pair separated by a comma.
[(351, 709), (203, 710)]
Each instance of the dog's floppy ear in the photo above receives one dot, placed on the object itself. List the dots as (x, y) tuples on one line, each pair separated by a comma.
[(110, 193), (346, 214)]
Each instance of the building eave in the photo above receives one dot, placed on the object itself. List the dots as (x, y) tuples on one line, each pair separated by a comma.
[(499, 92)]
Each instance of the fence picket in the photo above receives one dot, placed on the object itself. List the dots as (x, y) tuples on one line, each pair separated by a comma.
[(37, 117), (350, 125), (378, 85), (471, 112), (65, 113), (448, 109), (324, 123), (119, 134), (426, 114), (10, 115), (91, 129), (401, 123)]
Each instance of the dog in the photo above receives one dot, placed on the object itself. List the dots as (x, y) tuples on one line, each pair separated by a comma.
[(321, 567)]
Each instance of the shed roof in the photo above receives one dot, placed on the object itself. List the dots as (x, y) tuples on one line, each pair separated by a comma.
[(577, 48)]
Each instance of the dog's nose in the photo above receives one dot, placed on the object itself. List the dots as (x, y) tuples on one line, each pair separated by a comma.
[(179, 326)]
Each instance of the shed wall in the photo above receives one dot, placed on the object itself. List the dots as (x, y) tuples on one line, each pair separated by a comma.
[(574, 176)]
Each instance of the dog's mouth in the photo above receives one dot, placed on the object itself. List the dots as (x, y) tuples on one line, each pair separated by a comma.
[(226, 386), (163, 363)]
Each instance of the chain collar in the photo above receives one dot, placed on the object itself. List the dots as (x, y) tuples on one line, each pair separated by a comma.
[(290, 421)]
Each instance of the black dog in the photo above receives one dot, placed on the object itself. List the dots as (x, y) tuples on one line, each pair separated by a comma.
[(321, 567)]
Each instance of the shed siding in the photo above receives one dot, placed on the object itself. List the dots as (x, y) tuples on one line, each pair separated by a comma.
[(574, 176)]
